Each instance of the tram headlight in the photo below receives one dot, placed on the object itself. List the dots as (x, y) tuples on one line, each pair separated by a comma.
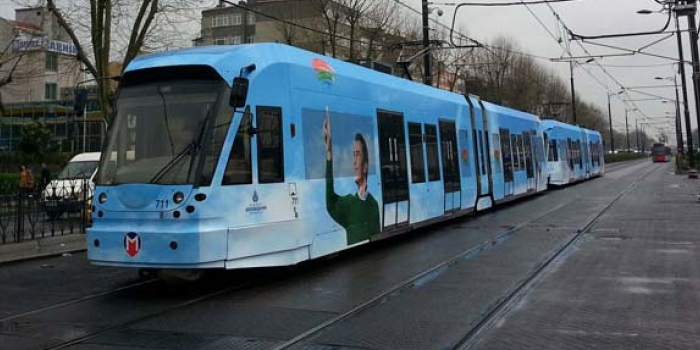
[(102, 197), (178, 197)]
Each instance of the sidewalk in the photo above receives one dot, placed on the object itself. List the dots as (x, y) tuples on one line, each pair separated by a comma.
[(42, 247), (632, 281)]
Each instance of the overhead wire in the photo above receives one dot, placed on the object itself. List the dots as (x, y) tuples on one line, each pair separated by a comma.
[(605, 71)]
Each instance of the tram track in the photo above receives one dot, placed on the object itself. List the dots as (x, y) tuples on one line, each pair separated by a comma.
[(149, 316), (419, 278), (525, 285), (496, 310), (79, 300)]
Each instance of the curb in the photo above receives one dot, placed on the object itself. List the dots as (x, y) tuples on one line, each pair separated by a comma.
[(43, 247)]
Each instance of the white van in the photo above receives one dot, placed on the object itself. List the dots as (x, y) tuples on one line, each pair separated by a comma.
[(73, 185)]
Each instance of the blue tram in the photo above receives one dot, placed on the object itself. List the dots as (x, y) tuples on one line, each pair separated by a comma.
[(573, 153), (267, 155)]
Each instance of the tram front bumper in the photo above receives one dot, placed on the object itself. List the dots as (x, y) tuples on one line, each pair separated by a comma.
[(201, 249)]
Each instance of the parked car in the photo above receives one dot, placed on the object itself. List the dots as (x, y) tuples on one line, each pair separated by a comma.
[(73, 187)]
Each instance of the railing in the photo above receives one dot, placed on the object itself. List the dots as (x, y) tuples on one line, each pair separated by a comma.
[(27, 216)]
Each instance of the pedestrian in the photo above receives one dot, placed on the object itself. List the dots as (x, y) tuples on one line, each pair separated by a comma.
[(25, 180), (45, 176)]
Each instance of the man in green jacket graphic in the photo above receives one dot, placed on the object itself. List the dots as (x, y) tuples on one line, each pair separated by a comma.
[(358, 213)]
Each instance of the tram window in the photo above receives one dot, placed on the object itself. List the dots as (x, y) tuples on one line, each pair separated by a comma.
[(496, 142), (481, 153), (580, 154), (507, 155), (415, 139), (521, 152), (514, 150), (527, 139), (431, 146), (270, 150), (464, 140), (239, 167), (553, 151), (521, 143), (216, 144)]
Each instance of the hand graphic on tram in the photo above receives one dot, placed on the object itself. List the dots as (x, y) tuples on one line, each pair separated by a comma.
[(327, 137)]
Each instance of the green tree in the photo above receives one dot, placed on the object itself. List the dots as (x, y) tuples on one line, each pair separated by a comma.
[(35, 140)]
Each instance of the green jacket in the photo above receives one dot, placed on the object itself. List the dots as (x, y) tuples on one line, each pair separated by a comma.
[(360, 218)]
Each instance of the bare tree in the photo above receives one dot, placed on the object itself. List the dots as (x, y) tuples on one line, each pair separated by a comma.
[(380, 32), (289, 29), (116, 29), (355, 11), (332, 14)]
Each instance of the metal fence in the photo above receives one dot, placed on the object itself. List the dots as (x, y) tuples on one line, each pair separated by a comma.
[(27, 216)]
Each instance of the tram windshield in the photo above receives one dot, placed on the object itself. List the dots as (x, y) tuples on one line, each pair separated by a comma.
[(159, 132)]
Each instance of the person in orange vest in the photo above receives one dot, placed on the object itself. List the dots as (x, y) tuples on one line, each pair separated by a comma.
[(26, 180)]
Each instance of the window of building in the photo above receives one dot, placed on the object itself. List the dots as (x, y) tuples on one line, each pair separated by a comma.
[(51, 91), (250, 39), (219, 41), (236, 19), (251, 18), (219, 21), (51, 61), (270, 151), (237, 40)]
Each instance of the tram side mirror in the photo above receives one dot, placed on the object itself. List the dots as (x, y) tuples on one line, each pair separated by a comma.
[(239, 92)]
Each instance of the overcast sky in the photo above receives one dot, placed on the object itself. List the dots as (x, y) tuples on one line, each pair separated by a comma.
[(586, 17), (589, 17)]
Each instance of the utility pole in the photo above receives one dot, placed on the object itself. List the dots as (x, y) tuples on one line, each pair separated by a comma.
[(627, 128), (679, 128), (684, 91), (689, 8), (427, 76), (243, 4), (636, 132), (612, 138), (573, 93)]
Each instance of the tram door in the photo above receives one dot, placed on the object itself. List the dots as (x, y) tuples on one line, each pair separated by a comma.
[(394, 173), (481, 147), (450, 166), (529, 161), (507, 152), (586, 155)]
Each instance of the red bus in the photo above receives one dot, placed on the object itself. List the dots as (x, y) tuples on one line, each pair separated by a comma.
[(660, 153)]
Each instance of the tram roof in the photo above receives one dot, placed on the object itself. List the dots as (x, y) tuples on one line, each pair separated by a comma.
[(227, 61), (551, 123), (492, 107)]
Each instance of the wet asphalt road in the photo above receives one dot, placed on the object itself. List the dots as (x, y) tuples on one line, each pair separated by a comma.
[(49, 302)]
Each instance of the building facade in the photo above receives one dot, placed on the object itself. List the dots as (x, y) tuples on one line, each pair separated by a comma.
[(38, 75), (316, 25)]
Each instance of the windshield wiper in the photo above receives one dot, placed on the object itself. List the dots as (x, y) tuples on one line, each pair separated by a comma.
[(192, 148), (165, 118)]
